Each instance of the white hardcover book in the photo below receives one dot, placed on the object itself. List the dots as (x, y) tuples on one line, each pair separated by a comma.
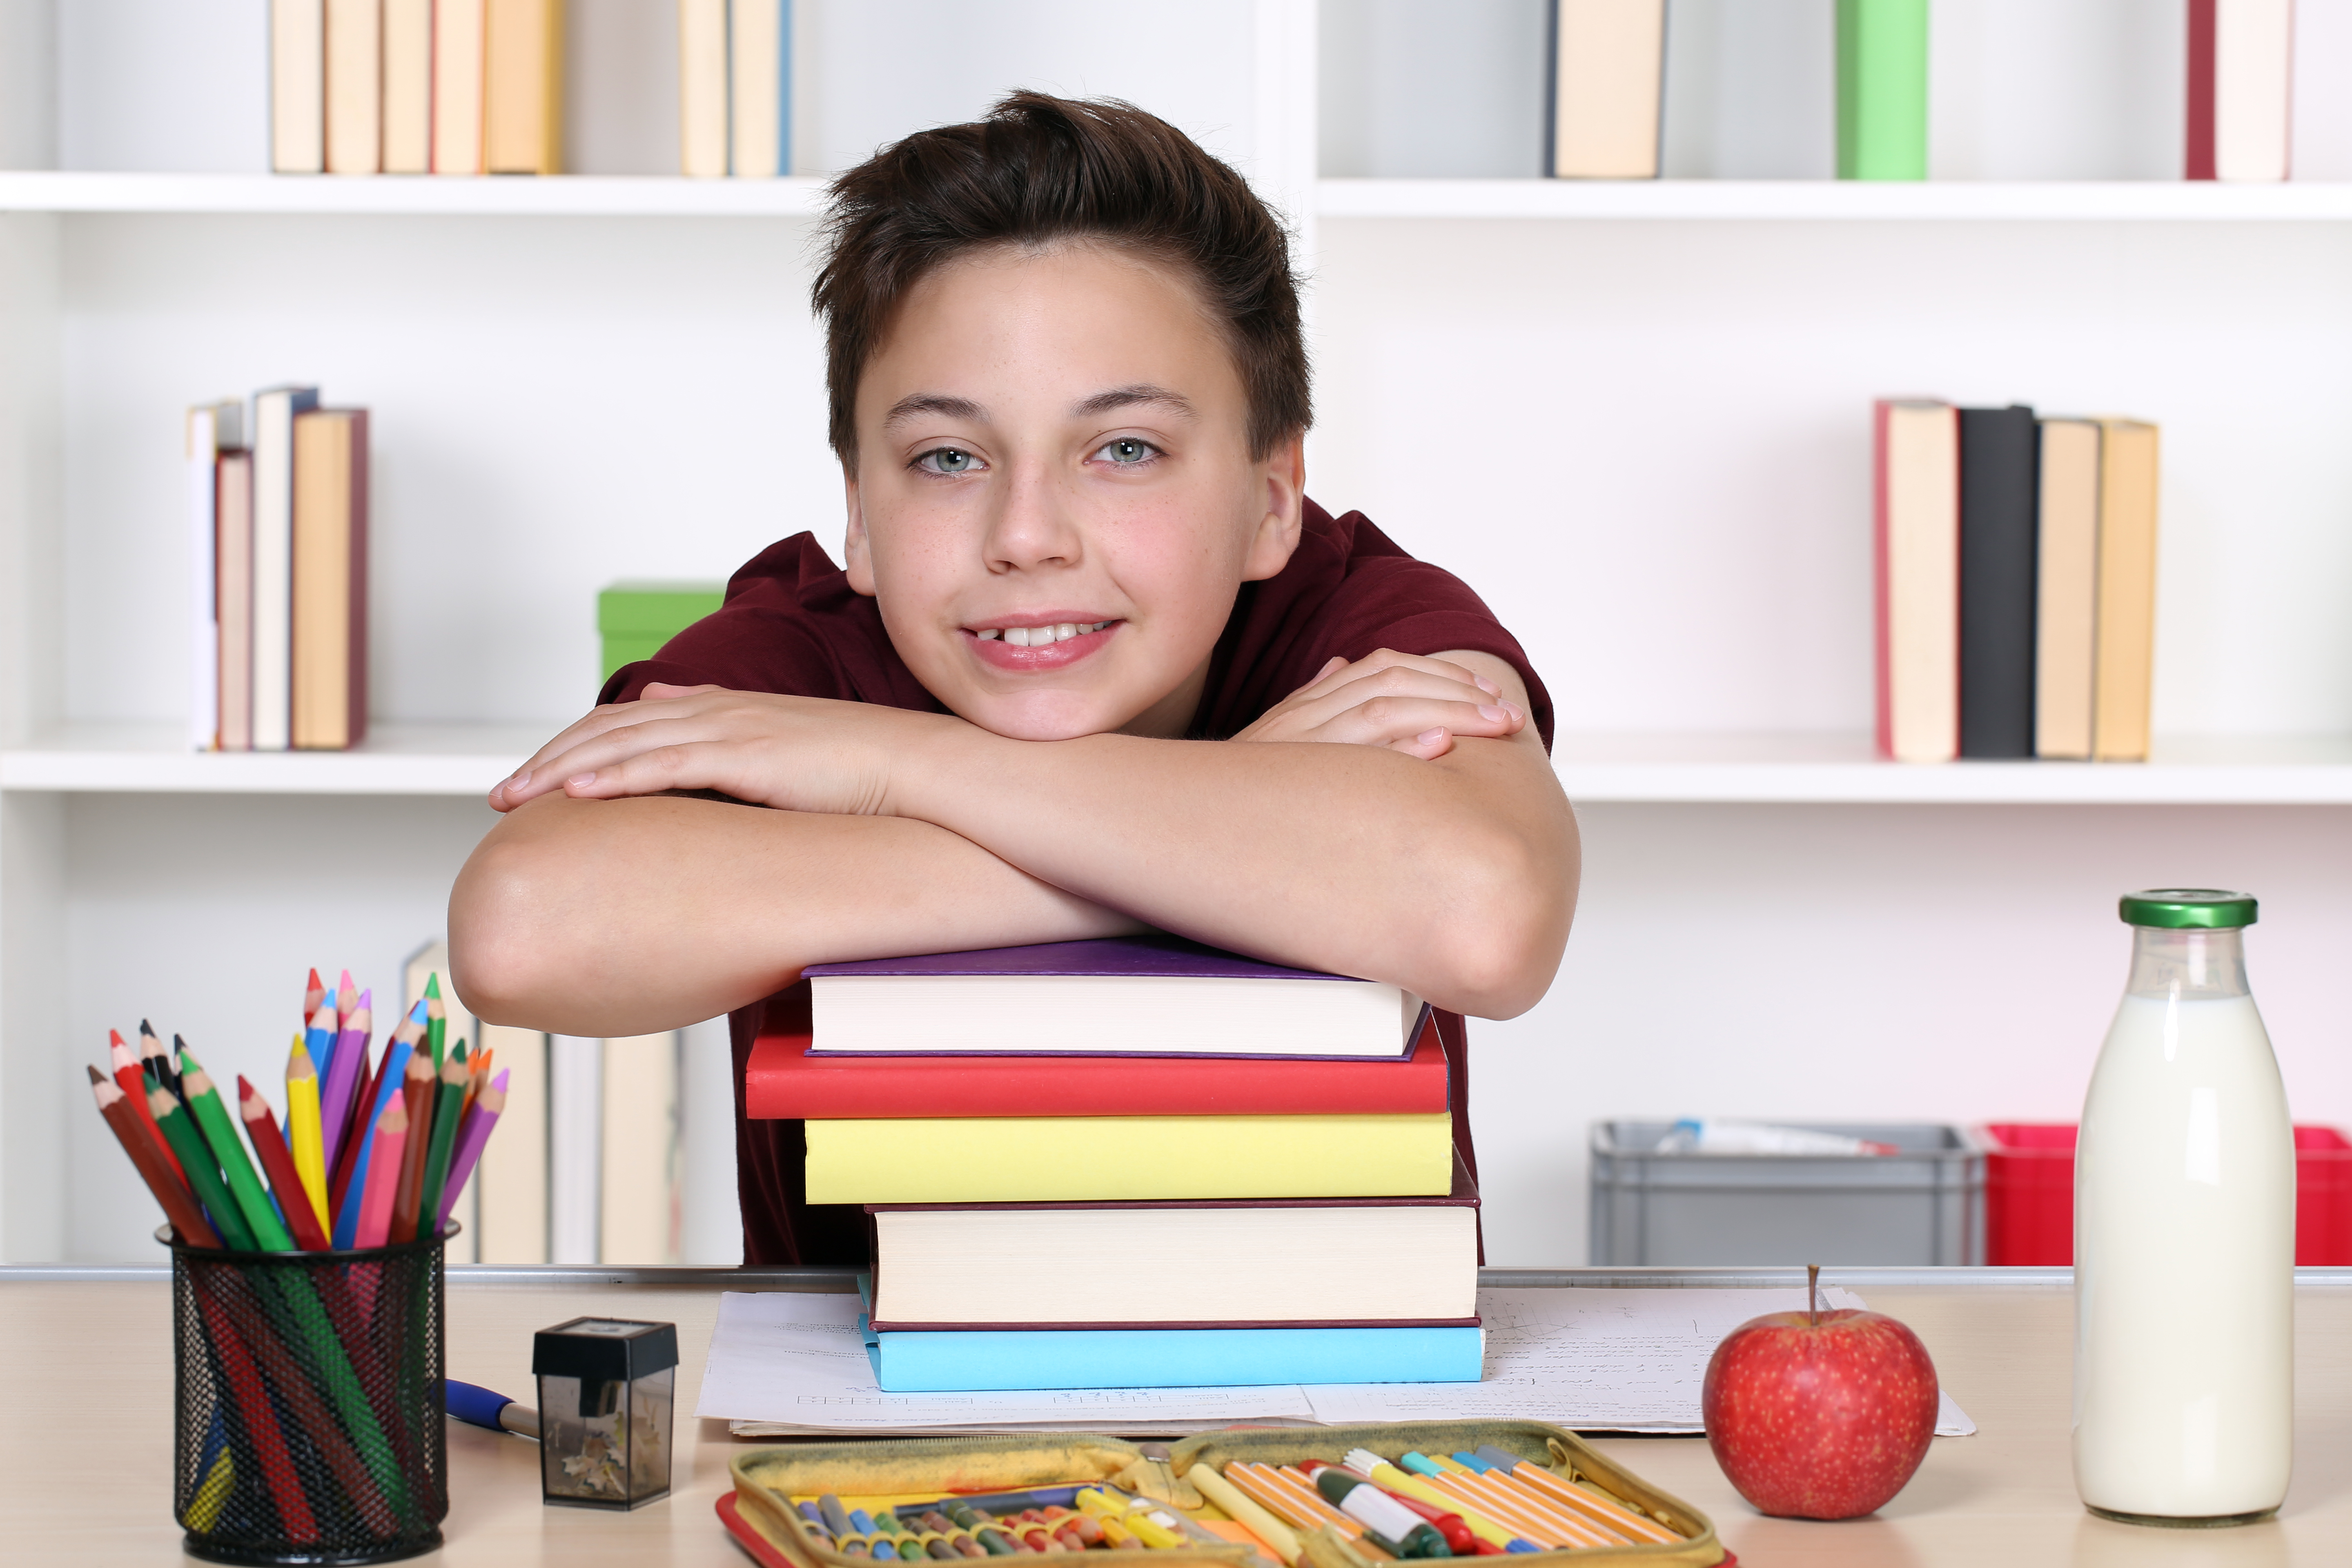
[(641, 1213), (2253, 70), (510, 1182), (213, 428), (575, 1148), (1607, 88), (759, 67), (273, 562), (458, 43), (298, 85), (702, 88)]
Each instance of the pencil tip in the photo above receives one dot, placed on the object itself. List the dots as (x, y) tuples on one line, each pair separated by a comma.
[(147, 1028), (95, 1076), (433, 985)]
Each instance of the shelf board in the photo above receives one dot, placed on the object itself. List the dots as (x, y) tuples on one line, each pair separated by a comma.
[(398, 759), (2172, 201), (1843, 769), (409, 195)]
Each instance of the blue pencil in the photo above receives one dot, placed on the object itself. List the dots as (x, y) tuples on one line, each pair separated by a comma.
[(395, 1064)]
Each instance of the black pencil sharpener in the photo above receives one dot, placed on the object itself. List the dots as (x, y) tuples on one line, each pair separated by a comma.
[(607, 1388)]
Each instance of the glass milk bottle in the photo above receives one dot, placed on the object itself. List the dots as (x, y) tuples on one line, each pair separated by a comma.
[(2184, 1233)]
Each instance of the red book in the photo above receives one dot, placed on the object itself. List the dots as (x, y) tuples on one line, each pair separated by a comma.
[(783, 1082)]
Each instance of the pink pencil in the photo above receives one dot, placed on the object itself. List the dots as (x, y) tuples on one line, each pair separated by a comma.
[(472, 1133), (344, 993), (343, 1076), (384, 1176)]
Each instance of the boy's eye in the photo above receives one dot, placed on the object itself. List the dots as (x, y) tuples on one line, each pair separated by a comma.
[(1126, 449), (948, 460)]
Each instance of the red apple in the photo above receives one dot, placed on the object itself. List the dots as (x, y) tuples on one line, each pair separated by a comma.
[(1819, 1414)]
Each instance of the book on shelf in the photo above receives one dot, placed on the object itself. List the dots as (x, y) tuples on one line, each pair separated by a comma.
[(355, 87), (523, 86), (982, 1359), (641, 1216), (1882, 89), (702, 89), (1916, 533), (2241, 80), (1138, 1158), (330, 684), (407, 126), (459, 42), (1604, 93), (513, 1179), (1156, 995), (783, 1081), (2066, 588), (1997, 567), (274, 409), (2125, 667), (215, 430), (233, 573), (298, 85), (759, 88), (1284, 1261)]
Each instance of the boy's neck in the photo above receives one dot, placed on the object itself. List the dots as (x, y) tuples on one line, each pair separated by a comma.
[(1171, 717)]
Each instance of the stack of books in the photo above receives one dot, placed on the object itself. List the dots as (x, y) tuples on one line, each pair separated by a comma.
[(2016, 584), (278, 513), (1136, 1162)]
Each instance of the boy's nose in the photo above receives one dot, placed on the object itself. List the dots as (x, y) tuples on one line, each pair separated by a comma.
[(1032, 526)]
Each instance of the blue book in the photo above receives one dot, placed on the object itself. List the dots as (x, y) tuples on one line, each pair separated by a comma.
[(962, 1360)]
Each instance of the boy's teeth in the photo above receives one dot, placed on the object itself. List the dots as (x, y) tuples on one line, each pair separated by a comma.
[(1041, 637)]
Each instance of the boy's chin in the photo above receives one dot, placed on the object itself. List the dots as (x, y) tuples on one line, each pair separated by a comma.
[(1038, 720)]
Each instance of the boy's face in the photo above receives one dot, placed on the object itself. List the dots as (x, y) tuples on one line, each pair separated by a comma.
[(1054, 501)]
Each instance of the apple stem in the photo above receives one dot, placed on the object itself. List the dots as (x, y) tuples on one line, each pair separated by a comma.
[(1813, 1293)]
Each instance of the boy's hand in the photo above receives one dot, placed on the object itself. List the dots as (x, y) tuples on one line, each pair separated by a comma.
[(802, 754), (1399, 700)]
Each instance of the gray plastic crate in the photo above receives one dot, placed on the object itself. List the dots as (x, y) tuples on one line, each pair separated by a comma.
[(1922, 1207)]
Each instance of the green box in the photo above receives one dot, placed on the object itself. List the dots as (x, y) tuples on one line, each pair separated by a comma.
[(1882, 89), (636, 617)]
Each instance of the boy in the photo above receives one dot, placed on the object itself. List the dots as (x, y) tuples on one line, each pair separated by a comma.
[(1069, 392)]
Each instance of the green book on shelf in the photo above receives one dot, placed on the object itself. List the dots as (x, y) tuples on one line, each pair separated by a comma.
[(636, 618), (1882, 89)]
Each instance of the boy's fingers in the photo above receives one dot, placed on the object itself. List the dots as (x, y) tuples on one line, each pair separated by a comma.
[(1395, 683), (536, 776), (1385, 721), (604, 750)]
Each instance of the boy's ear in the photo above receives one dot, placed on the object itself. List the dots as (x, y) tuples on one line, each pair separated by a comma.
[(858, 558), (1282, 480)]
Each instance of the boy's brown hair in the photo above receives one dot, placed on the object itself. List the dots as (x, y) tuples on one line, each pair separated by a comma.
[(1040, 170)]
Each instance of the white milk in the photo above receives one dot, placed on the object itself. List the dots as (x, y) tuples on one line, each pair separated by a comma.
[(2184, 1245)]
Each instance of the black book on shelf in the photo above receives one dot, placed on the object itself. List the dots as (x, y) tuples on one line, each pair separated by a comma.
[(1999, 541)]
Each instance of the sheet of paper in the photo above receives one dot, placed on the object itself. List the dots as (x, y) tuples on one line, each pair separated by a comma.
[(799, 1360), (1590, 1360)]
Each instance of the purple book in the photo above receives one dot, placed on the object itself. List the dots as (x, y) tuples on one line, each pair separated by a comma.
[(1155, 995)]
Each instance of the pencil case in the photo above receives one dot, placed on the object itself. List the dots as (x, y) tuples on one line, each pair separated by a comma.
[(761, 1511)]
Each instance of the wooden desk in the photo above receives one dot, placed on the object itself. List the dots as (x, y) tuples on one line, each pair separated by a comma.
[(85, 1437)]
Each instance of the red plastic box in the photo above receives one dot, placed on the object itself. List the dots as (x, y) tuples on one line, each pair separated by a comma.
[(2030, 1193)]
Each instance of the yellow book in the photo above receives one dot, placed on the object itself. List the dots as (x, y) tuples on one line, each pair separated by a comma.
[(1115, 1159), (522, 130), (2124, 677)]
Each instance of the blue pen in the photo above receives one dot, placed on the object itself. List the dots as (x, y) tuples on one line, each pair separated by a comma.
[(395, 1064), (478, 1406)]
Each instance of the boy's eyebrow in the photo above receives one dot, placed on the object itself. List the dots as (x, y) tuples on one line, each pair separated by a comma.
[(938, 403), (1128, 396)]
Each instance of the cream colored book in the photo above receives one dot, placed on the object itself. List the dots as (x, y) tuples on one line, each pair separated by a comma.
[(1918, 533), (641, 1216), (2124, 675), (457, 45), (1104, 1159), (2066, 614), (759, 59), (298, 85), (702, 89), (522, 72), (511, 1180), (407, 87), (328, 706), (1607, 75), (355, 87)]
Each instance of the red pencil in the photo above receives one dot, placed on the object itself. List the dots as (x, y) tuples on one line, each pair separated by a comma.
[(130, 1078), (146, 1153), (312, 994), (278, 1164)]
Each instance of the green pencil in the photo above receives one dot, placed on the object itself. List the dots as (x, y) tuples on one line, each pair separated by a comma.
[(449, 1101), (212, 1118), (436, 1017), (196, 1160)]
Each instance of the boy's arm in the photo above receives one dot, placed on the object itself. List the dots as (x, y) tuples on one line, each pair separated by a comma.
[(1448, 867)]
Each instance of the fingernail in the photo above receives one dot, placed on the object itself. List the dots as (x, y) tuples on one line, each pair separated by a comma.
[(1496, 715), (580, 780), (1486, 686), (519, 780), (1430, 737)]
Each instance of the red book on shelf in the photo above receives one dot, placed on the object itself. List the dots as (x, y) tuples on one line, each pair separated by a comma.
[(782, 1081)]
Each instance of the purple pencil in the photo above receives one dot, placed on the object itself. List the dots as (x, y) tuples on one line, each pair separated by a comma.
[(472, 1134), (343, 1076)]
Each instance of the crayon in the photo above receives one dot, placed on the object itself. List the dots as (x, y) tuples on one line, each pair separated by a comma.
[(278, 1162), (828, 1507), (1246, 1511), (305, 1132), (146, 1151), (211, 1120)]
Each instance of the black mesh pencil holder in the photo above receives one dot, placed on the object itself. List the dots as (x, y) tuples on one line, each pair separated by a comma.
[(307, 1403)]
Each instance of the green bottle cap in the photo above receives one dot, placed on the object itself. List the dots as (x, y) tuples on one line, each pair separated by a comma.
[(2188, 909)]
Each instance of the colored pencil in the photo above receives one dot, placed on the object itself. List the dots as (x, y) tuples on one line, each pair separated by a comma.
[(416, 1098), (303, 1131), (130, 1078), (389, 1074), (312, 994), (159, 1060), (374, 1207), (339, 1078), (254, 1412), (436, 1017), (145, 1143), (448, 1107), (179, 1130), (346, 999), (482, 1116), (348, 1160), (1540, 1482), (220, 1134), (278, 1162)]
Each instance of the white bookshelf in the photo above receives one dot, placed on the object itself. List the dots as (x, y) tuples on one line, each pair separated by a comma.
[(1638, 426)]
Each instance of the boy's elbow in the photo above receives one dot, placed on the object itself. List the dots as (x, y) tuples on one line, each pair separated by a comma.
[(505, 953), (1501, 939)]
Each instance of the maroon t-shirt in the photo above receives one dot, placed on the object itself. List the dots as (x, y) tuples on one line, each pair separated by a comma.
[(792, 624)]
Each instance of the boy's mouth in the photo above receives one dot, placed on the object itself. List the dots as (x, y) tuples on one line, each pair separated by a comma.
[(1039, 645)]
